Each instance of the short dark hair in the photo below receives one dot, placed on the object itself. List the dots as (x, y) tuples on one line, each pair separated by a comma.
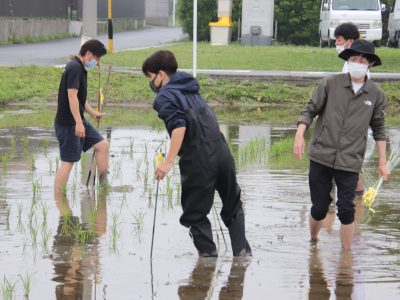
[(162, 60), (95, 46), (347, 31)]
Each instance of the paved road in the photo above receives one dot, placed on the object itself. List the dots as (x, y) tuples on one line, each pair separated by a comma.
[(55, 51)]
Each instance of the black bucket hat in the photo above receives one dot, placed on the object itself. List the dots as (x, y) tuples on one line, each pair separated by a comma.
[(362, 47)]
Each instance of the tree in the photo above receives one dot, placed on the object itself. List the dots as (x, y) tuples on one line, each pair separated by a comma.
[(298, 21), (206, 12)]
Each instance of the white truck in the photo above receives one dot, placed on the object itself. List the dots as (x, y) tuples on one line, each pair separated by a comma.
[(365, 14), (394, 26)]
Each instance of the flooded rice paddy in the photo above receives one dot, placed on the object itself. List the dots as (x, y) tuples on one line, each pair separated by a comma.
[(95, 244)]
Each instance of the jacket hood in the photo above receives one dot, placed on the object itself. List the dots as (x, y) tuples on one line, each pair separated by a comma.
[(183, 82)]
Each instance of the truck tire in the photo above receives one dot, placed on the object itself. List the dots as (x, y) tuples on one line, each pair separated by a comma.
[(389, 43), (322, 44), (331, 43)]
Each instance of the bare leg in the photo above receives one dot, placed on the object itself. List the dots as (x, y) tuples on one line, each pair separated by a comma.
[(315, 226), (62, 175), (102, 154), (346, 235), (360, 186)]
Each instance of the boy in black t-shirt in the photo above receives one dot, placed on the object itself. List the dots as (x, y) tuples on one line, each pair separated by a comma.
[(73, 132)]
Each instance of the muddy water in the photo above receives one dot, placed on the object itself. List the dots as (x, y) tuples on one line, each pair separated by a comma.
[(115, 264)]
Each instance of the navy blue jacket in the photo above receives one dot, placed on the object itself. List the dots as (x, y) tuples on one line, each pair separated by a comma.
[(171, 102)]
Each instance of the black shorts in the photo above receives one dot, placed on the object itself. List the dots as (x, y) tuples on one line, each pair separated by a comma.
[(320, 180), (72, 146)]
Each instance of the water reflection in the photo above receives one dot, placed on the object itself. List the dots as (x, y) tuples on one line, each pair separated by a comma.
[(75, 249), (320, 285), (203, 280)]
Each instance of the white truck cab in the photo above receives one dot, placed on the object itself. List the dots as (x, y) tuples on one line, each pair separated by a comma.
[(394, 25), (365, 14)]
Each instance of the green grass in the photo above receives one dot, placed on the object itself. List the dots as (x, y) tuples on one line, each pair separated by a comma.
[(123, 117), (236, 56), (37, 85)]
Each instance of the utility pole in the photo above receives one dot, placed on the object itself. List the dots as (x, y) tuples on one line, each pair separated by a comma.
[(89, 20), (110, 27), (173, 12), (194, 38)]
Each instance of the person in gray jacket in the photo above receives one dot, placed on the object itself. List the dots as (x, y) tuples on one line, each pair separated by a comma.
[(346, 106)]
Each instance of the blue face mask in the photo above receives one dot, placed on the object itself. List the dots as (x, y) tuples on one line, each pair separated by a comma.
[(90, 63)]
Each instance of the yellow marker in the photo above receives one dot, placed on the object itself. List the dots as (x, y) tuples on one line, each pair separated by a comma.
[(369, 198), (101, 96), (159, 158)]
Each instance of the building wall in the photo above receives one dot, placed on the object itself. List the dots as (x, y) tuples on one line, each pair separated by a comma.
[(34, 8), (158, 12), (257, 22)]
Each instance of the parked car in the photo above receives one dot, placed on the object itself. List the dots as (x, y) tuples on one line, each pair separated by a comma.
[(365, 14), (394, 26)]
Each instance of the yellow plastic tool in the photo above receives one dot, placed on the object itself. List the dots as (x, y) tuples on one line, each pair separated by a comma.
[(159, 158), (369, 198)]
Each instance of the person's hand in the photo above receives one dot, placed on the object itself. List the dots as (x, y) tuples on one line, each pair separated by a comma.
[(97, 116), (383, 171), (298, 146), (80, 130), (162, 170)]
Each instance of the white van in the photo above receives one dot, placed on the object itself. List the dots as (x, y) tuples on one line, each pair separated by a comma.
[(365, 14), (394, 26)]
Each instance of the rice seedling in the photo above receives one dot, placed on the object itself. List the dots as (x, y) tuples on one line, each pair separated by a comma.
[(254, 151), (118, 169), (13, 143), (8, 212), (131, 144), (3, 189), (32, 211), (138, 165), (44, 210), (150, 197), (20, 207), (138, 221), (64, 190), (115, 232), (145, 150), (4, 163), (26, 283), (33, 229), (25, 144), (282, 146), (178, 188), (45, 145), (74, 187), (169, 192), (46, 235), (65, 224), (91, 217), (50, 167), (81, 234), (36, 187), (8, 289), (32, 163)]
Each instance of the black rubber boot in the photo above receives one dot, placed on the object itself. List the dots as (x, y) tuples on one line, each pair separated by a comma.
[(203, 240), (240, 246)]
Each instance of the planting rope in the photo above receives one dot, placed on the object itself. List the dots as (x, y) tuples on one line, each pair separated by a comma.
[(370, 195)]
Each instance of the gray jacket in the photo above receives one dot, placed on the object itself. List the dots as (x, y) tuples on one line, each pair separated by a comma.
[(341, 131)]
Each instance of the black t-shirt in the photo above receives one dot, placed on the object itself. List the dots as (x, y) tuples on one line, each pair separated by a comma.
[(74, 77)]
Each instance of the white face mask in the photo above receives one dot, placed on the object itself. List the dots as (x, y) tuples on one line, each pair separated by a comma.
[(339, 48), (357, 70)]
